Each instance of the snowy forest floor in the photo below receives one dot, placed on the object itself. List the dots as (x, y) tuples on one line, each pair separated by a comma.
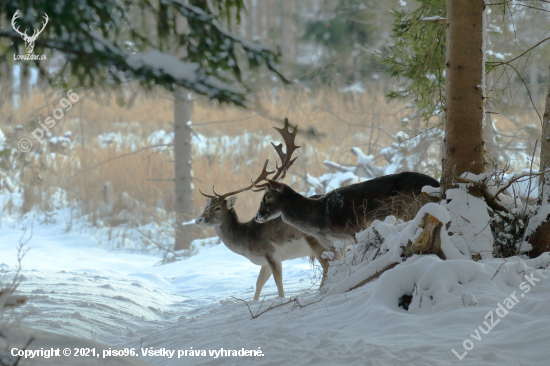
[(78, 288)]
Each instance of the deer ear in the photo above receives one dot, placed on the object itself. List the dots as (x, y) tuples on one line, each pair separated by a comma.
[(276, 185), (231, 202)]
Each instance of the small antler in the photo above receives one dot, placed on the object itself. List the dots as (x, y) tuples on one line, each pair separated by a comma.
[(17, 15), (206, 195), (263, 176), (225, 195), (286, 158)]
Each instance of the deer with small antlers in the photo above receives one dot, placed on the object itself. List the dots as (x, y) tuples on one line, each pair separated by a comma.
[(341, 213), (265, 244), (29, 40)]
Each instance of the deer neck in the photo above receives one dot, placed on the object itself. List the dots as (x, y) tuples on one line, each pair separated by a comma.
[(231, 230), (305, 214)]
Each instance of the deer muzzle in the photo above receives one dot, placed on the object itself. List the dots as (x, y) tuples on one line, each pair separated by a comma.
[(201, 220), (264, 215), (259, 218)]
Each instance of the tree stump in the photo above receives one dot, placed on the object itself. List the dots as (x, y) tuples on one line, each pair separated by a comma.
[(429, 241)]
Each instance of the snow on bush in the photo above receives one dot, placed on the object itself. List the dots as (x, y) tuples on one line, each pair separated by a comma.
[(9, 280), (405, 154), (381, 245), (470, 229), (411, 153), (466, 234), (512, 212), (433, 285), (424, 284)]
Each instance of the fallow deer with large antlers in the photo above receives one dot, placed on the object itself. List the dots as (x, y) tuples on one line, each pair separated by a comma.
[(266, 245), (341, 213)]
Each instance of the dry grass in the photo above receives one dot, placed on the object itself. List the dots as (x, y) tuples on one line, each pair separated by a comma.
[(332, 123)]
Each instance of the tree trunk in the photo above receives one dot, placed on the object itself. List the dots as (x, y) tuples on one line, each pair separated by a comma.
[(183, 172), (6, 91), (544, 189), (533, 82), (261, 32), (540, 240), (464, 90), (24, 82), (492, 151), (249, 20), (272, 21), (288, 43)]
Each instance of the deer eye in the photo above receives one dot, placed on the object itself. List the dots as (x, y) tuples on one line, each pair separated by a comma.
[(268, 197), (217, 208)]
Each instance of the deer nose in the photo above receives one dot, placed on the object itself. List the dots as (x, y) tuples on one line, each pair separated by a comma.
[(259, 218), (200, 219)]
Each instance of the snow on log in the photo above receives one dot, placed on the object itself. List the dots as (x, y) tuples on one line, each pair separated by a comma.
[(424, 235)]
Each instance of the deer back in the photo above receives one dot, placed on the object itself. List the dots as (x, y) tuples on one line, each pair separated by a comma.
[(357, 205), (349, 209), (254, 238)]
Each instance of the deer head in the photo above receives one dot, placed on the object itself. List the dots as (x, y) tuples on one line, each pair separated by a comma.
[(29, 40), (218, 205)]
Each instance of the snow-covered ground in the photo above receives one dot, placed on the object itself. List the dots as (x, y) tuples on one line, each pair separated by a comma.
[(79, 288)]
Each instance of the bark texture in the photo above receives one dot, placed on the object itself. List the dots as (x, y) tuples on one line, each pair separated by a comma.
[(533, 81), (464, 93), (249, 20), (429, 240), (6, 87), (24, 82), (540, 240), (544, 186), (183, 171), (492, 151), (288, 31)]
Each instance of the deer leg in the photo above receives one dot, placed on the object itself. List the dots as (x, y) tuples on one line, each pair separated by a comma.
[(340, 254), (318, 251), (277, 269), (264, 275), (324, 263)]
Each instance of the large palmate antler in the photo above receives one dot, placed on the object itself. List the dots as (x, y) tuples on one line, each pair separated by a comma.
[(286, 158), (263, 176), (280, 172)]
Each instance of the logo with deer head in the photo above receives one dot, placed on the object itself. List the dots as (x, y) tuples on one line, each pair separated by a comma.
[(29, 40)]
